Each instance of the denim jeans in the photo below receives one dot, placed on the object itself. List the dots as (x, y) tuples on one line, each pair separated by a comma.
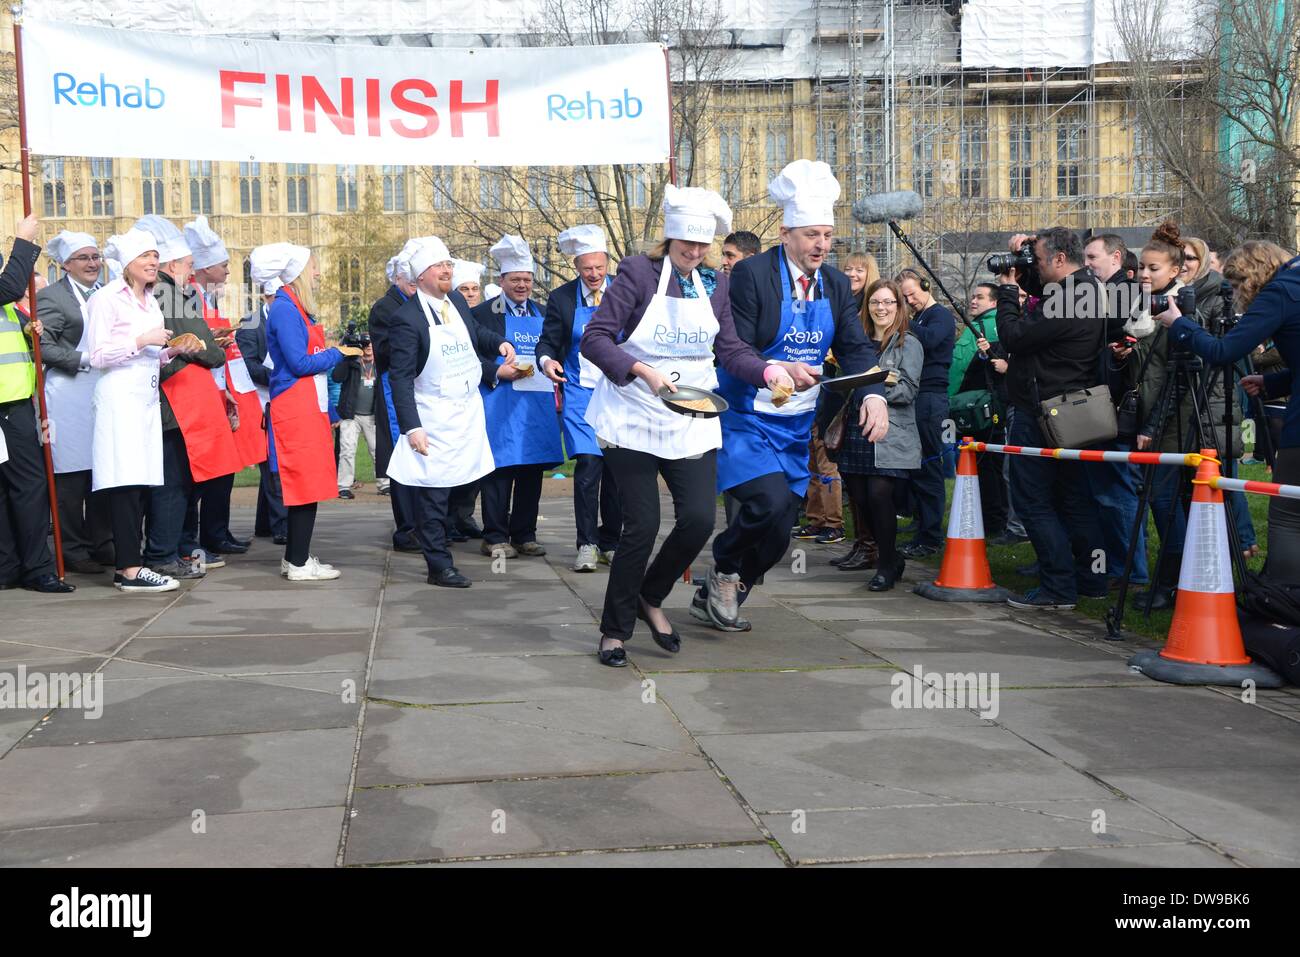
[(927, 481), (1061, 520), (1114, 488)]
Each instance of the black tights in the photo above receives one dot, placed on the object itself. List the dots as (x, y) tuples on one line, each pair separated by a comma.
[(873, 497), (302, 520)]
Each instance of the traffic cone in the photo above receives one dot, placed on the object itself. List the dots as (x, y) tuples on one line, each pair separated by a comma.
[(1204, 644), (964, 574)]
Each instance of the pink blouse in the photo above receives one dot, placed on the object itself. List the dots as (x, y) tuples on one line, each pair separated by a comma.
[(114, 319)]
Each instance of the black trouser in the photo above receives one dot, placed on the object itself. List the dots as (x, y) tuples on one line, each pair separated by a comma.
[(165, 510), (873, 498), (126, 516), (383, 433), (272, 518), (24, 499), (993, 488), (927, 482), (460, 506), (691, 484), (429, 507), (510, 520), (595, 494), (207, 517), (758, 535), (1283, 563), (301, 523), (402, 501), (84, 524)]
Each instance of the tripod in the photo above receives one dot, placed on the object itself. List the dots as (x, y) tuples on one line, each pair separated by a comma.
[(1188, 379)]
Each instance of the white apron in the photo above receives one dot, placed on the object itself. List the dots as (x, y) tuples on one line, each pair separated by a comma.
[(674, 335), (451, 414), (128, 424), (68, 403)]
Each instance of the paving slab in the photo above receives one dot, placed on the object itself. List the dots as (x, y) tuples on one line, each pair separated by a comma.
[(314, 609), (589, 813), (1143, 728), (753, 855), (839, 699), (932, 828), (230, 655), (172, 777), (781, 772), (426, 644), (140, 709), (779, 640), (1147, 855), (297, 838), (579, 735)]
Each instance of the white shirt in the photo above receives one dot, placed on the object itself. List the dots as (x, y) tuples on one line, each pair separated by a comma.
[(796, 272), (436, 308)]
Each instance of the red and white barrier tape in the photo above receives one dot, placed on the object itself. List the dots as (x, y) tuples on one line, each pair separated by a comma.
[(1191, 459)]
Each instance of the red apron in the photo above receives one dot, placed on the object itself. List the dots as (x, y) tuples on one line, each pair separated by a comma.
[(250, 437), (304, 443), (200, 412)]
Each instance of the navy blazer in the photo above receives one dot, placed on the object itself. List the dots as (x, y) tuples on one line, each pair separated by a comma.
[(557, 327), (408, 350), (491, 314), (251, 339), (377, 324), (756, 307)]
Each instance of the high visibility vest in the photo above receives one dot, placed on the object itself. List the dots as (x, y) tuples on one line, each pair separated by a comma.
[(17, 372)]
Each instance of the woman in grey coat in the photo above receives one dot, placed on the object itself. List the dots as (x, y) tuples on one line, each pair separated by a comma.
[(870, 470)]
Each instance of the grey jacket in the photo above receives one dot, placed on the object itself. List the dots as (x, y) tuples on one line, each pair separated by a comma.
[(60, 314), (901, 446)]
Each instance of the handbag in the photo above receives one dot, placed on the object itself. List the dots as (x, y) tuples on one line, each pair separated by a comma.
[(834, 437), (1073, 420), (976, 412)]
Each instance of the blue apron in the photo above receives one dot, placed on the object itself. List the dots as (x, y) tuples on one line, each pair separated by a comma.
[(579, 437), (757, 439), (521, 424)]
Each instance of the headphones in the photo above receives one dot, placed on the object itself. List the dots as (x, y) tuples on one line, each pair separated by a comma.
[(914, 275)]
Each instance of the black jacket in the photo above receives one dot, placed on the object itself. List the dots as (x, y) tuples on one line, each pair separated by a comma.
[(557, 327), (407, 340), (251, 339), (377, 324), (183, 312), (349, 373), (18, 272), (490, 314), (936, 328), (1063, 351)]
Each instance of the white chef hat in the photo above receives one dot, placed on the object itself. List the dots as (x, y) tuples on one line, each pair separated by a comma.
[(399, 267), (62, 246), (208, 248), (275, 264), (694, 214), (124, 247), (491, 291), (430, 250), (580, 240), (171, 244), (512, 254), (808, 191), (465, 271)]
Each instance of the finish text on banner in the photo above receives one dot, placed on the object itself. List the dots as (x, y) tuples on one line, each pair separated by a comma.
[(99, 92)]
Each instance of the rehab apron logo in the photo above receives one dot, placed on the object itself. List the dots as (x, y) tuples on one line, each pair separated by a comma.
[(69, 91)]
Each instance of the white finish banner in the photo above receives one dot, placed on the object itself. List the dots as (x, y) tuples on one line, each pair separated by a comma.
[(100, 92)]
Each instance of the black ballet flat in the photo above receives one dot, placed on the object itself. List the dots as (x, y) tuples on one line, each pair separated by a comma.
[(881, 582), (613, 657), (671, 642)]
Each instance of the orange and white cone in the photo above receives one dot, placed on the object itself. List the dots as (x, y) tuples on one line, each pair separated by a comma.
[(964, 574), (1204, 644)]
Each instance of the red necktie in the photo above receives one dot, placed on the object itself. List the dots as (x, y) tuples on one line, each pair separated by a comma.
[(807, 281)]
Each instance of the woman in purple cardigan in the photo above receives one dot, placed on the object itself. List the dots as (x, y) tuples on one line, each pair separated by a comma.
[(662, 323)]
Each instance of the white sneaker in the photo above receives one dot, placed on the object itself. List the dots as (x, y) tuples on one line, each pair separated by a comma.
[(312, 571), (607, 557), (586, 560), (146, 582), (724, 598), (285, 566)]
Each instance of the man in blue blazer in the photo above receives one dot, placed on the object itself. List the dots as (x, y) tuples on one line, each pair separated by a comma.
[(792, 308)]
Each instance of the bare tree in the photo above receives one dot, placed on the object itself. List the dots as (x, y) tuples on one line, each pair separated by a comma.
[(623, 199), (363, 240), (9, 159), (1234, 145)]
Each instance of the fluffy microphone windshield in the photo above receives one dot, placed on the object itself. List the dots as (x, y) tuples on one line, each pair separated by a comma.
[(884, 207)]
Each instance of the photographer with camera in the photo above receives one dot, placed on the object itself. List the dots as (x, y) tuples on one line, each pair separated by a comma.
[(356, 407), (1053, 345), (1166, 426), (1266, 281)]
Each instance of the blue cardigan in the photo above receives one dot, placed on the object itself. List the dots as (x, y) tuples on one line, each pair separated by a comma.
[(1274, 313), (286, 343)]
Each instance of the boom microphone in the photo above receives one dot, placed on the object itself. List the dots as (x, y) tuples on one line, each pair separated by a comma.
[(887, 207)]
